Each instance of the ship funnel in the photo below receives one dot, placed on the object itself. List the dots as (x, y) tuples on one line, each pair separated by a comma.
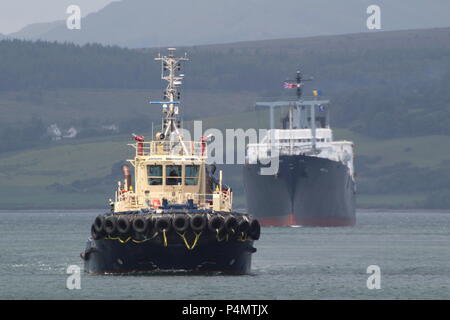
[(126, 176)]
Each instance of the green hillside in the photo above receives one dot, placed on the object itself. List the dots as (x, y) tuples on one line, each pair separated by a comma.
[(383, 84)]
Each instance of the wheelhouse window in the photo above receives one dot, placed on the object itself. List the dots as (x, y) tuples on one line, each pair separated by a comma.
[(173, 175), (192, 173), (154, 174)]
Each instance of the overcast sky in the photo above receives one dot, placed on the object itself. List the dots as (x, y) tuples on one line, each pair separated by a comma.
[(16, 14)]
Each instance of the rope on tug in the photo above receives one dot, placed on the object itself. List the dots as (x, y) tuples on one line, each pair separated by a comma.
[(190, 247), (147, 239), (165, 238), (119, 239), (218, 237), (243, 237)]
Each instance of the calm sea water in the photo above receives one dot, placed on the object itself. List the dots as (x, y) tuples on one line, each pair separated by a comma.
[(411, 248)]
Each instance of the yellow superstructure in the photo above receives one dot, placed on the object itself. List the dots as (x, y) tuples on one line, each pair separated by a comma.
[(172, 171)]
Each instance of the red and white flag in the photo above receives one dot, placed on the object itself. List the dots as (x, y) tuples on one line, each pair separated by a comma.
[(288, 85)]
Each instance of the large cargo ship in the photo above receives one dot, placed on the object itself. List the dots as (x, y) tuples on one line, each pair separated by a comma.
[(176, 215), (314, 184)]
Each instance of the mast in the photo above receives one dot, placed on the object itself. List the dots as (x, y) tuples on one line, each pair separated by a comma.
[(171, 121), (313, 125), (299, 79), (299, 84)]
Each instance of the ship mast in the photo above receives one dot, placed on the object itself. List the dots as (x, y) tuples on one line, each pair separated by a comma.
[(171, 122), (299, 79), (299, 84)]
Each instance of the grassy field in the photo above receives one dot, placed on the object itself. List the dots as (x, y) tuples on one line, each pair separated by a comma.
[(426, 151), (28, 176), (61, 163)]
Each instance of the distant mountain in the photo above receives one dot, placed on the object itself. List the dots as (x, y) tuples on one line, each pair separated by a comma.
[(143, 23), (34, 31)]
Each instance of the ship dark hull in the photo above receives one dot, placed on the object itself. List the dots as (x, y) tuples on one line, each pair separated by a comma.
[(111, 256), (308, 191)]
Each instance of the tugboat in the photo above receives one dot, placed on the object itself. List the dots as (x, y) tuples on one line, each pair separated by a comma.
[(176, 216), (315, 183)]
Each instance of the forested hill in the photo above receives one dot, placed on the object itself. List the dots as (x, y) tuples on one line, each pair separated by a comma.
[(369, 59), (388, 84)]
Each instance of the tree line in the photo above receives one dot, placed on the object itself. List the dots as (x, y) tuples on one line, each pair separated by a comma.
[(393, 89)]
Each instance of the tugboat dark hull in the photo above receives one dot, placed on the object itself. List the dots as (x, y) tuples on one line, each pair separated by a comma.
[(111, 256), (198, 241), (307, 191)]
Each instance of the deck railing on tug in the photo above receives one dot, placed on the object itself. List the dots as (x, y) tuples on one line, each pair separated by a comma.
[(216, 200), (174, 148)]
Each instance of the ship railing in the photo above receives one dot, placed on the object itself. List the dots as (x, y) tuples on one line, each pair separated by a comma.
[(287, 100), (204, 200), (218, 200), (173, 148), (281, 148), (336, 150), (128, 198), (184, 197)]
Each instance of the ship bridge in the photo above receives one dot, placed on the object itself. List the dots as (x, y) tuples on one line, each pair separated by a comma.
[(300, 127), (299, 113)]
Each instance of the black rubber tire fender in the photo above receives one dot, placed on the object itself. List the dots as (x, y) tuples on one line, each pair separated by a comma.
[(231, 224), (198, 222), (99, 223), (255, 229), (110, 225), (243, 225), (163, 224), (180, 222), (96, 235), (140, 224), (123, 224), (216, 222)]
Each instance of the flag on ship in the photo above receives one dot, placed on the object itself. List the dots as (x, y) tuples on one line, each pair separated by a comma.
[(288, 85)]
